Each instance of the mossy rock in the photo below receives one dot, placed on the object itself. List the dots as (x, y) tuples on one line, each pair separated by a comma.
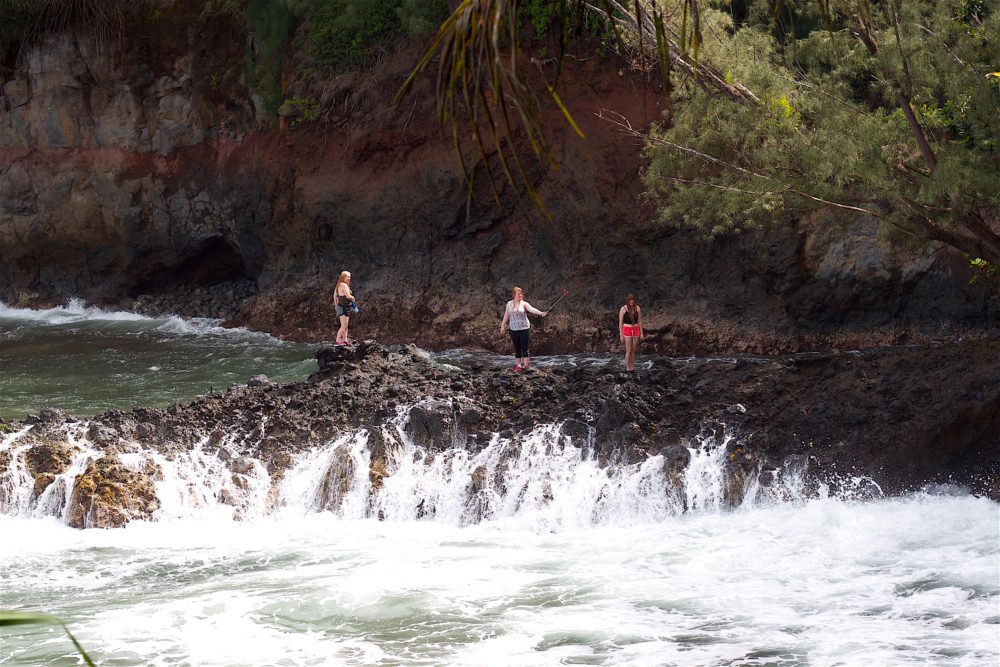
[(109, 495)]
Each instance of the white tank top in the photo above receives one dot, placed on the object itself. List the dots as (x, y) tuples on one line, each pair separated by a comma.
[(518, 318)]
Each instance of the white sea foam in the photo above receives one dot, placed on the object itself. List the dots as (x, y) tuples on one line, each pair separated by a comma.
[(76, 313), (890, 582)]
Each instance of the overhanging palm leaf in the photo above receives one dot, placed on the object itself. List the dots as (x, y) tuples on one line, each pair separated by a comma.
[(478, 70), (31, 618)]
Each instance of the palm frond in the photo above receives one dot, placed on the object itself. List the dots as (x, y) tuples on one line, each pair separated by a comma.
[(9, 618), (478, 63)]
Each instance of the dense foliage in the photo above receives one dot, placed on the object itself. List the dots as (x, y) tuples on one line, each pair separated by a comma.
[(350, 33), (886, 110), (338, 34)]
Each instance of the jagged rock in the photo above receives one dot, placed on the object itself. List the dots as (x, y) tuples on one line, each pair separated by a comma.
[(46, 460), (337, 481), (52, 416), (109, 495), (577, 431), (432, 425), (376, 473), (340, 358), (242, 465), (675, 458), (622, 445), (377, 445), (259, 381), (468, 416), (101, 435), (478, 507), (950, 434)]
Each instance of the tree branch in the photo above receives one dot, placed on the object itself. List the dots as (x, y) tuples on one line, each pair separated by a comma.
[(625, 126), (867, 37)]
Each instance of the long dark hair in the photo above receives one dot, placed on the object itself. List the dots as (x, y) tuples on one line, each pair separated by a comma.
[(630, 305)]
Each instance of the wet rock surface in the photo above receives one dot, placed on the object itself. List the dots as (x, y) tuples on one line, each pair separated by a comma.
[(109, 494), (904, 418)]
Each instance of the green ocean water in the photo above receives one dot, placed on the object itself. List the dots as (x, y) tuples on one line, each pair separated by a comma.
[(86, 361)]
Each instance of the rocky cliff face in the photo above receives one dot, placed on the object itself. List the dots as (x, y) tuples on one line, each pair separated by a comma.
[(148, 166)]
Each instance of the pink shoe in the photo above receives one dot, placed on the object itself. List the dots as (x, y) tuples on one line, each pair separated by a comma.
[(517, 369)]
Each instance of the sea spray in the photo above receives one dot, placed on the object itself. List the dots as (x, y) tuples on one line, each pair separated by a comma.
[(516, 551), (544, 476), (900, 581)]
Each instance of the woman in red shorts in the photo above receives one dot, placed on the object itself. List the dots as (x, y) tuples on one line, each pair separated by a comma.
[(630, 329)]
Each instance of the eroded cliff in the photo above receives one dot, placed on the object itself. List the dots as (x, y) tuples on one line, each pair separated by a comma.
[(148, 166)]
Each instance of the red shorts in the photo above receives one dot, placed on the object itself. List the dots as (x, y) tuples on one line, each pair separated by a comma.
[(631, 330)]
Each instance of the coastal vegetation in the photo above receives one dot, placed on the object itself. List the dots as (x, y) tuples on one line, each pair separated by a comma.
[(777, 108), (884, 111), (22, 21)]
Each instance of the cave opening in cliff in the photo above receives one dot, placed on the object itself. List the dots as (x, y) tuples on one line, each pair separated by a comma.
[(214, 262)]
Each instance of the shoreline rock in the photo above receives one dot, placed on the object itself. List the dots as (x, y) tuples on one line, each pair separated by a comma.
[(905, 418)]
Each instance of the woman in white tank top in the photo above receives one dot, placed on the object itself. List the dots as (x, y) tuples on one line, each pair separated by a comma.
[(515, 314)]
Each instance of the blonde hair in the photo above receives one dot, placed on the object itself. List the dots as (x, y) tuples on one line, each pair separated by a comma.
[(513, 295), (344, 275)]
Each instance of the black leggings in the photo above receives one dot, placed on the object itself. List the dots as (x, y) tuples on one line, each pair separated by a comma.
[(520, 339)]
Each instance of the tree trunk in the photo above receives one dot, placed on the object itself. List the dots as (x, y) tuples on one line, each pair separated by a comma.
[(979, 241), (918, 131)]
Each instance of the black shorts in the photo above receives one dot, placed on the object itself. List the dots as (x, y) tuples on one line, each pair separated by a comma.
[(344, 311)]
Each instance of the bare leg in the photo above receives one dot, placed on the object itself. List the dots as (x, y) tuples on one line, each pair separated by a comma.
[(630, 353), (342, 332)]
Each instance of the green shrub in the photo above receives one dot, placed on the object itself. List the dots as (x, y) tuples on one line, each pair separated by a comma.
[(983, 270), (301, 110), (344, 32), (349, 33), (421, 17), (539, 14), (273, 23)]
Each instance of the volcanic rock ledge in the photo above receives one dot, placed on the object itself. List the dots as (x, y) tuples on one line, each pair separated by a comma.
[(904, 418)]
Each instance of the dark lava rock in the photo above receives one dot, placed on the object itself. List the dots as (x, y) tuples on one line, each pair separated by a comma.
[(904, 417)]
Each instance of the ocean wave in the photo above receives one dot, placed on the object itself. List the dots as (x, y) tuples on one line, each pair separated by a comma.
[(77, 314)]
